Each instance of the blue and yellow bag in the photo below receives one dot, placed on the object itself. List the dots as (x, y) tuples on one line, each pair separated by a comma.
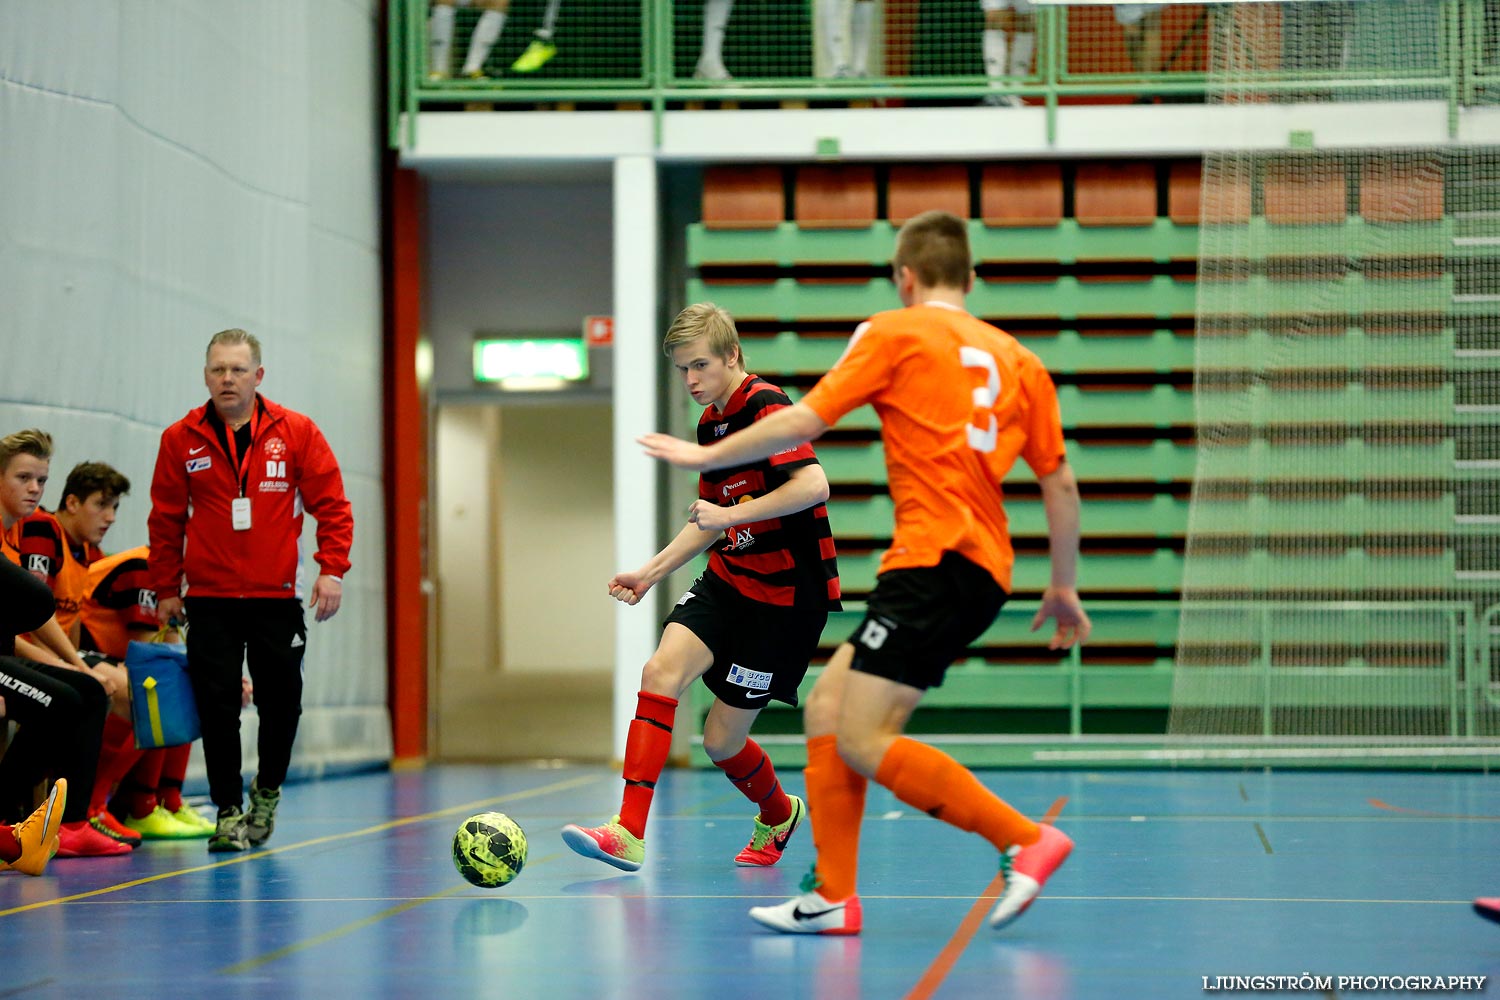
[(161, 694)]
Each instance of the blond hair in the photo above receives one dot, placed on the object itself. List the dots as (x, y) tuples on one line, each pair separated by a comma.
[(704, 319), (234, 338), (935, 246), (32, 441)]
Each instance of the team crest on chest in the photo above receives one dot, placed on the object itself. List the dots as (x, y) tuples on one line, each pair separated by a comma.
[(275, 480)]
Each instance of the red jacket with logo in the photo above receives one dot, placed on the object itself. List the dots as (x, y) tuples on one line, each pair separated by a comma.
[(291, 470)]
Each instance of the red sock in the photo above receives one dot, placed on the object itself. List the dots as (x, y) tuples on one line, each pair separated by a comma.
[(835, 807), (646, 748), (10, 847), (117, 755), (173, 772), (753, 775), (928, 779), (140, 785)]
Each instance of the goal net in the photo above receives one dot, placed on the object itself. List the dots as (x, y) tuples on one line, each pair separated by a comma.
[(1343, 546)]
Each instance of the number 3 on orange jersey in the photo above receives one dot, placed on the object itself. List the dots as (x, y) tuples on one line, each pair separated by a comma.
[(984, 429)]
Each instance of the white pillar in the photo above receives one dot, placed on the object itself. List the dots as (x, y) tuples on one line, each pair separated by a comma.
[(636, 382)]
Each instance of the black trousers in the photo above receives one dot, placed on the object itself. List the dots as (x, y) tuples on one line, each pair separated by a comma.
[(225, 633), (61, 717)]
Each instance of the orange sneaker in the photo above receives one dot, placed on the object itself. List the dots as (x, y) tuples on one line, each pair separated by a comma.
[(1026, 871), (37, 833)]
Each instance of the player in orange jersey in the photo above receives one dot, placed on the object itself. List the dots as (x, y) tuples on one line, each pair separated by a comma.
[(959, 401)]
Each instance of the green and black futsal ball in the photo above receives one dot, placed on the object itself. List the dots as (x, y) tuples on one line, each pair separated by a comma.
[(489, 849)]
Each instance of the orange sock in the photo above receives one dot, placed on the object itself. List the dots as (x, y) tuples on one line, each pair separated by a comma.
[(835, 807), (647, 745), (927, 779)]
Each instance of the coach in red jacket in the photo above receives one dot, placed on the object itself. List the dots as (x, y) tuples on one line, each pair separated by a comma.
[(232, 481)]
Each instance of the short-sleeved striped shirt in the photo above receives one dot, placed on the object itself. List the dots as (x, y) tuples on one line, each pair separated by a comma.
[(786, 561)]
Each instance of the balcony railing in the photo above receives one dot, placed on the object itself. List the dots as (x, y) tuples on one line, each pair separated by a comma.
[(655, 55)]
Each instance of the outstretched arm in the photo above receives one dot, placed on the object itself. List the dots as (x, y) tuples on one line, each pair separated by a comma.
[(786, 428), (1060, 601), (629, 586)]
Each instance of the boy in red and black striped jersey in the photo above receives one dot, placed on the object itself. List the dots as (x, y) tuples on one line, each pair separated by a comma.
[(750, 624), (59, 547)]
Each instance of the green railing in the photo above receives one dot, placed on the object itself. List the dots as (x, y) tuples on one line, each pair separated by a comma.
[(642, 62)]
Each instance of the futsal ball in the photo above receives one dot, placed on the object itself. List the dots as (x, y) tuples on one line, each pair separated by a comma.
[(489, 849)]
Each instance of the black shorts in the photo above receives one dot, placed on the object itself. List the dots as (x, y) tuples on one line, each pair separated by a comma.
[(918, 621), (760, 650)]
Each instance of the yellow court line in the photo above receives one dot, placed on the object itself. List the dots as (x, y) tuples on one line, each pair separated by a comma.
[(338, 932), (239, 968), (752, 897), (466, 807)]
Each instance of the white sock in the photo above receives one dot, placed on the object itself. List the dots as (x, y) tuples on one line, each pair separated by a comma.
[(491, 23), (994, 52), (549, 20), (1020, 53), (834, 38), (862, 20), (439, 39), (715, 20)]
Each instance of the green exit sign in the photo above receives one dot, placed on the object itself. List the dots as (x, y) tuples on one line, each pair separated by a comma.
[(516, 363)]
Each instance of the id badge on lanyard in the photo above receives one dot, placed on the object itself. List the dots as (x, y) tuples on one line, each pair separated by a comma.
[(239, 507)]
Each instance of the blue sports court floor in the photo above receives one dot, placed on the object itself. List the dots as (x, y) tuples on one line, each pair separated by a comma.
[(1176, 876)]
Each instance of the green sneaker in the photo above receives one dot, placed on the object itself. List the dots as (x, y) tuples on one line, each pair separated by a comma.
[(610, 843), (537, 55), (229, 832), (188, 816), (261, 819), (767, 842), (158, 824)]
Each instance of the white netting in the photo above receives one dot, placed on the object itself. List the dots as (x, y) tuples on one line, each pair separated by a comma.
[(1342, 546)]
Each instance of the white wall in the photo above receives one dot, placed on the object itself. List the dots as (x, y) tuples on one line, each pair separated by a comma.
[(463, 545), (172, 169), (556, 539)]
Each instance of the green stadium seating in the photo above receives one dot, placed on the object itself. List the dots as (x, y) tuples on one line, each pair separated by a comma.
[(784, 244), (1159, 461), (1159, 516), (1065, 352), (1120, 341)]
